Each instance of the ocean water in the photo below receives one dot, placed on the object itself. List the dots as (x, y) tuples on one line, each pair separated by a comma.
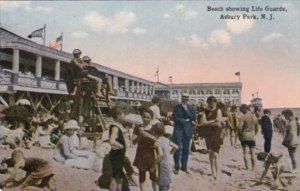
[(276, 111)]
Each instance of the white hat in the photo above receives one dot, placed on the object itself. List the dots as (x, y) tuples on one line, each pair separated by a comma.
[(71, 124), (184, 96)]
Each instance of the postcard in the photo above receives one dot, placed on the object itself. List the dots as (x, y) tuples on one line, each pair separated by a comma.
[(149, 95)]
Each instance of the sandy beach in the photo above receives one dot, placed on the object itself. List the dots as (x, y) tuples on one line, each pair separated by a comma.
[(234, 176)]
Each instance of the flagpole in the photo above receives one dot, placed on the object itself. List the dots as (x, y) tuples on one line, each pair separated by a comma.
[(44, 35), (61, 45), (170, 79), (157, 74)]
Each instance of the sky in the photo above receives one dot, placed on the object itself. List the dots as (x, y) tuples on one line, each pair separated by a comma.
[(184, 39)]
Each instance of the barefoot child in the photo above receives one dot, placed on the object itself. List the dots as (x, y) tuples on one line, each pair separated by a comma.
[(164, 149), (277, 165), (37, 170)]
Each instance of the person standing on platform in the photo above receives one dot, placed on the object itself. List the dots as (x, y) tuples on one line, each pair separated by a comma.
[(184, 118), (267, 129)]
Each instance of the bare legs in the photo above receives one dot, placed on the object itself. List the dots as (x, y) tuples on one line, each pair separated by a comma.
[(233, 138), (293, 159), (214, 163), (252, 157), (143, 186), (115, 185)]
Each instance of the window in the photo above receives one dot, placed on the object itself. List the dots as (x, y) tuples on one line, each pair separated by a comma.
[(235, 91), (192, 92), (200, 92), (217, 92), (209, 92), (226, 92), (174, 92)]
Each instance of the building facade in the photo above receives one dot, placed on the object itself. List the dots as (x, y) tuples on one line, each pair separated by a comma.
[(26, 66), (228, 93), (29, 67)]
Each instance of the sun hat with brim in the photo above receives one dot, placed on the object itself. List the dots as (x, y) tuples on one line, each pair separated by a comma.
[(71, 124), (185, 96)]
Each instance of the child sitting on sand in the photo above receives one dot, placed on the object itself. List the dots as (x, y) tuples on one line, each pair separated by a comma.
[(277, 165), (38, 171)]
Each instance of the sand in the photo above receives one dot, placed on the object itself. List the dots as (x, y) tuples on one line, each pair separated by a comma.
[(234, 176)]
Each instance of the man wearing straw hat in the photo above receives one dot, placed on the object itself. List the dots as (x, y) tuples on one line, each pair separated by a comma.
[(184, 118)]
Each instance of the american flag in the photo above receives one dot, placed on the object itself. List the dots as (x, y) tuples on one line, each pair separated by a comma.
[(56, 43)]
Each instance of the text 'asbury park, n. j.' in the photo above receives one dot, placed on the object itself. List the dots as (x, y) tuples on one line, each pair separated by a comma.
[(234, 12)]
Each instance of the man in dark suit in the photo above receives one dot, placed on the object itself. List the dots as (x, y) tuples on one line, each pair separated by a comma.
[(184, 118), (267, 129)]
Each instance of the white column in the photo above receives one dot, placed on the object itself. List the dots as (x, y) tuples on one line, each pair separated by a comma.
[(126, 85), (132, 86), (152, 90), (142, 88), (16, 60), (147, 89), (57, 73), (38, 70), (138, 87), (38, 66), (57, 70), (116, 83), (15, 66)]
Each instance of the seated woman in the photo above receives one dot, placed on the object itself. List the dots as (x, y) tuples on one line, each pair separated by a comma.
[(38, 171), (68, 154)]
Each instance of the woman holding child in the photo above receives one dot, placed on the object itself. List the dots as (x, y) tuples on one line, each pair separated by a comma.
[(212, 122), (145, 154)]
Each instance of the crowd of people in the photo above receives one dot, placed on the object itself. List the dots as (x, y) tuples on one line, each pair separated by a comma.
[(154, 144)]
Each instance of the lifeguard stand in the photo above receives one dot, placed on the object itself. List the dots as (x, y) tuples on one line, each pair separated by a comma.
[(87, 107)]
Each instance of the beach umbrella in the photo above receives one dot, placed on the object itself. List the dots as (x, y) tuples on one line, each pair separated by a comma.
[(17, 112), (133, 118), (23, 102)]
